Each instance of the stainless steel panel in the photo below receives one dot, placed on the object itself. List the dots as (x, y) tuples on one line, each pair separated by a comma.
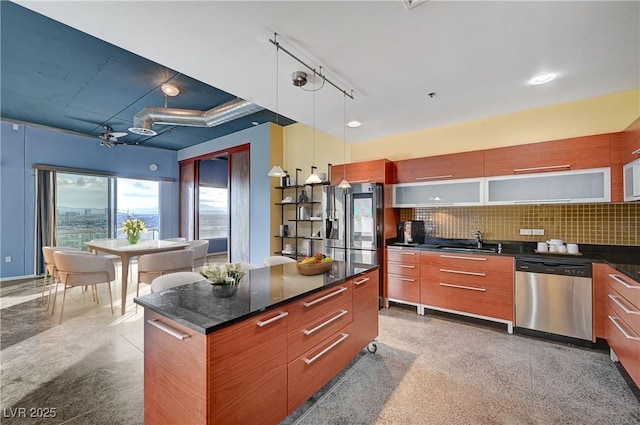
[(557, 304)]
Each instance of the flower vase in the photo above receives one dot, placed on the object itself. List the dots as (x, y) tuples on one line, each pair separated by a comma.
[(133, 238), (224, 290)]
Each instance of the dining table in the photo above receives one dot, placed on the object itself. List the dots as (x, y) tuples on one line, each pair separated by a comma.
[(126, 251)]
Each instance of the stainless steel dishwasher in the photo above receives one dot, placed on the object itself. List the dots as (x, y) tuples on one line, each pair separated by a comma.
[(554, 298)]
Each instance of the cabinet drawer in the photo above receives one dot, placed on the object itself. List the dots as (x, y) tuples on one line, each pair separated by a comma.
[(365, 309), (403, 256), (493, 298), (319, 304), (314, 368), (625, 286), (625, 343), (623, 309), (467, 262), (403, 288), (312, 333), (406, 270), (487, 279)]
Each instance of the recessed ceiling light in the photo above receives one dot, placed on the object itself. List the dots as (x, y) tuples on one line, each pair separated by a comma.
[(542, 79), (255, 123), (354, 124), (170, 89)]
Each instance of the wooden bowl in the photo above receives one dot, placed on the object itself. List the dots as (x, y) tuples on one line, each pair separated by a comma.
[(314, 268)]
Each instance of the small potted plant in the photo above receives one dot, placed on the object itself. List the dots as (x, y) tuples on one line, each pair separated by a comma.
[(133, 227), (224, 279)]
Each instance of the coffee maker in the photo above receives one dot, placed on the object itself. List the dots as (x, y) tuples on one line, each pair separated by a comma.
[(410, 232)]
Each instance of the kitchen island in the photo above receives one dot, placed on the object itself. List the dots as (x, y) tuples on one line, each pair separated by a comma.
[(254, 357)]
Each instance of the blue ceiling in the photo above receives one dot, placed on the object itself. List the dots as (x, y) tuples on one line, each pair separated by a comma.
[(57, 76)]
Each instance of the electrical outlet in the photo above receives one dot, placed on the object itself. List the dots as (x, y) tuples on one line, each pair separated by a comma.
[(525, 231), (539, 232), (7, 259)]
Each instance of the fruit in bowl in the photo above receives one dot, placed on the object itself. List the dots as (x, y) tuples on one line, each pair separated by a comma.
[(318, 263)]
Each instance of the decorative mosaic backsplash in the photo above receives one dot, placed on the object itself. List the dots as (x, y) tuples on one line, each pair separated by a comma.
[(602, 224)]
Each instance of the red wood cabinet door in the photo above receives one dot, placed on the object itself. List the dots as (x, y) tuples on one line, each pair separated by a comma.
[(558, 155), (365, 309), (600, 281), (248, 371), (442, 167), (361, 172), (175, 373), (623, 146)]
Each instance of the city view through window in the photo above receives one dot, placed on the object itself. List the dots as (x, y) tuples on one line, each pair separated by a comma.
[(214, 212), (94, 207)]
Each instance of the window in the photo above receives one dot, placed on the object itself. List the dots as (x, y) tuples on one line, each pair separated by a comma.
[(214, 210), (94, 207)]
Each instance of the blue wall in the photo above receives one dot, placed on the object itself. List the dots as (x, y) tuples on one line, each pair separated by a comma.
[(21, 146), (259, 138)]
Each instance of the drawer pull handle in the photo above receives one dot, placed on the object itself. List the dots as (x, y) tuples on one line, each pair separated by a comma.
[(326, 297), (322, 325), (459, 257), (405, 279), (361, 281), (168, 329), (471, 288), (622, 306), (326, 350), (445, 176), (273, 319), (548, 167), (407, 253), (461, 272), (405, 266), (626, 334), (622, 282)]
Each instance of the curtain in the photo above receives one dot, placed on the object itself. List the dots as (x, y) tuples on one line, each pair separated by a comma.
[(45, 214)]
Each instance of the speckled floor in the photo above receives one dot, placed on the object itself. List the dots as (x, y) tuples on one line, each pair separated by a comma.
[(427, 370)]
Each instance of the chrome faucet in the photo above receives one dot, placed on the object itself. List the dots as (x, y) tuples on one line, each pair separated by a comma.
[(479, 238)]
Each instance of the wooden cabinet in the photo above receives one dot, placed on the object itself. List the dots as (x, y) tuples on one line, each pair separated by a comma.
[(558, 155), (181, 364), (379, 171), (247, 371), (403, 276), (442, 167), (365, 309), (622, 321), (600, 283), (237, 375), (469, 284), (463, 192)]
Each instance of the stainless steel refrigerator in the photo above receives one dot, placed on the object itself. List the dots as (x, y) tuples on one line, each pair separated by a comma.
[(353, 222)]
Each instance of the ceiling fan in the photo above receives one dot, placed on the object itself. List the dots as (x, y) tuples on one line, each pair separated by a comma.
[(110, 139)]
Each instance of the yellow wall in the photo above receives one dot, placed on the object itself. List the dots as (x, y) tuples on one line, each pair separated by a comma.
[(604, 114), (299, 151)]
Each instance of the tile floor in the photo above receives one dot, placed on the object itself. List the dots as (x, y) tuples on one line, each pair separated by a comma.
[(427, 370)]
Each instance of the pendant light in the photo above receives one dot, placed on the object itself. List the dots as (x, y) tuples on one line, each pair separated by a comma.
[(314, 178), (344, 184), (277, 171)]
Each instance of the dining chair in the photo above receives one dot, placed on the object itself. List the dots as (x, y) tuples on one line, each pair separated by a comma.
[(172, 280), (248, 266), (81, 269), (150, 266), (199, 248), (50, 271), (274, 260), (175, 240)]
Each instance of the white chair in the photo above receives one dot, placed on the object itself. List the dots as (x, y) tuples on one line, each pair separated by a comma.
[(150, 266), (75, 269), (248, 266), (199, 248), (50, 270), (274, 260), (172, 280)]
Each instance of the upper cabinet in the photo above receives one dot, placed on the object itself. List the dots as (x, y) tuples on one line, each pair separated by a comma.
[(625, 148), (559, 155), (442, 167), (378, 171)]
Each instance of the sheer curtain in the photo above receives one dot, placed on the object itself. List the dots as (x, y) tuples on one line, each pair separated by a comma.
[(45, 214)]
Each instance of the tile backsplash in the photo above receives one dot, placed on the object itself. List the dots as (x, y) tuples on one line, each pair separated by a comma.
[(602, 224)]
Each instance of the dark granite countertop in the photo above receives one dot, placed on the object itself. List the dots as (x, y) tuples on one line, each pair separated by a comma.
[(625, 259), (195, 306)]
